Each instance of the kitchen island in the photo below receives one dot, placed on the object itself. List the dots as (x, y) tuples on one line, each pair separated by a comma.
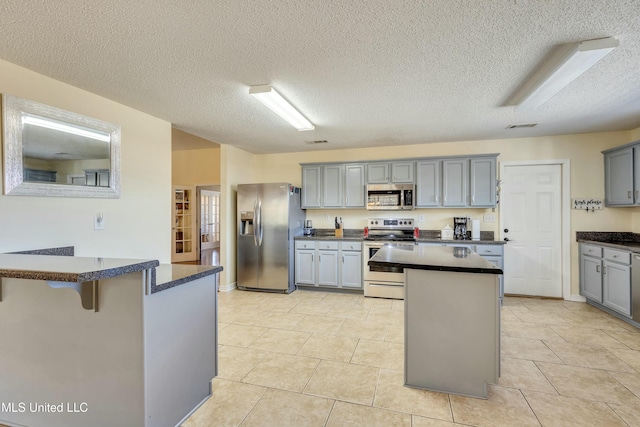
[(452, 317), (103, 341)]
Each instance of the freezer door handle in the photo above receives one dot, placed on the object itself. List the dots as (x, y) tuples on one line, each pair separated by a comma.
[(255, 223), (259, 223)]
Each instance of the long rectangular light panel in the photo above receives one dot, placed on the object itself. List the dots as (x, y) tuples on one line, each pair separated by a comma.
[(582, 57), (276, 103)]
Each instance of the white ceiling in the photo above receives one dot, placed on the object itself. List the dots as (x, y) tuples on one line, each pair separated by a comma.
[(366, 73)]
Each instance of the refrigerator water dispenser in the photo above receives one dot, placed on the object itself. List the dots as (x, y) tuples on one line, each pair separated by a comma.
[(246, 223)]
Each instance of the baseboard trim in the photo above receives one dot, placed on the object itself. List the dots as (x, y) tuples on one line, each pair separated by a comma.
[(227, 288)]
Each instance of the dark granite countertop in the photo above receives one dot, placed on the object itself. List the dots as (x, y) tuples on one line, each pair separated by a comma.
[(68, 268), (462, 242), (614, 239), (426, 236), (440, 258), (171, 275), (59, 265)]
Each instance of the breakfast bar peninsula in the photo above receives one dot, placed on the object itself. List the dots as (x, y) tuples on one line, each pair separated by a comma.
[(103, 341), (452, 317)]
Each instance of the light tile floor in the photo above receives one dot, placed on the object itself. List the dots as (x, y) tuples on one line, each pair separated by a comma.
[(316, 358)]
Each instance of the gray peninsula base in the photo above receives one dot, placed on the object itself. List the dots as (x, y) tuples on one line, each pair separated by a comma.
[(452, 331)]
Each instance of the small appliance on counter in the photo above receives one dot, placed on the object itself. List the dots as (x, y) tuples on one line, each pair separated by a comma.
[(308, 228), (446, 233), (460, 227), (475, 229)]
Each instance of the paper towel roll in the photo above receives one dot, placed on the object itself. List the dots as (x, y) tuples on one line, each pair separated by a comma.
[(475, 229)]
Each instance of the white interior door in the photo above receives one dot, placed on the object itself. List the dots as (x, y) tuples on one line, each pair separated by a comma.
[(531, 212), (209, 219)]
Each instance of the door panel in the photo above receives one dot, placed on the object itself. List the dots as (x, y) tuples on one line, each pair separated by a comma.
[(532, 212), (273, 272), (247, 262)]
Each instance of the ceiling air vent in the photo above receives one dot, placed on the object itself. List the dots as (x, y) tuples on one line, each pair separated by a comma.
[(318, 141), (524, 125)]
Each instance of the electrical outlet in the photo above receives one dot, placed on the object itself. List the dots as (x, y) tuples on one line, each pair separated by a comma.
[(98, 221), (420, 218), (489, 218), (327, 218)]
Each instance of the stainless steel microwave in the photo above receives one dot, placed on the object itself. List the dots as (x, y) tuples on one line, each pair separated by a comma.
[(390, 197)]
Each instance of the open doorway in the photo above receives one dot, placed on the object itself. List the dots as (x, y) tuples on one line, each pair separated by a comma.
[(209, 224)]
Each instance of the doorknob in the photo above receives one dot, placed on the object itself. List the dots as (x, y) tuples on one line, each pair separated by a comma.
[(506, 239), (506, 230)]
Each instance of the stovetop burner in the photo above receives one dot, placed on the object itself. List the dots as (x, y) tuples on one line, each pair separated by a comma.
[(390, 229)]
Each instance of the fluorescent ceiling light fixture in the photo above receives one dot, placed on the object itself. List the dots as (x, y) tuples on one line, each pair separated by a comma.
[(28, 119), (582, 56), (276, 103)]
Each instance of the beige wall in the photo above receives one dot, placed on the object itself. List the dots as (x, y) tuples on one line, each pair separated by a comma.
[(582, 150), (137, 225), (237, 167), (194, 161)]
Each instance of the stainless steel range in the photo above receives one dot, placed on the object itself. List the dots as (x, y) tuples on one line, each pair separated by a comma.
[(387, 283)]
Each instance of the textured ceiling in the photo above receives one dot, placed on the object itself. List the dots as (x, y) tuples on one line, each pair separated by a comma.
[(366, 73)]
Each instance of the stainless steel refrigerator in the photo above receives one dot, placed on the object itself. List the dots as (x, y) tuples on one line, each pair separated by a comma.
[(269, 217)]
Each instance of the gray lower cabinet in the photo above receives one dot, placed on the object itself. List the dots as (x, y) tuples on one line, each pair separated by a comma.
[(492, 253), (327, 263), (616, 284), (305, 266), (605, 277), (351, 268), (327, 267), (96, 177), (591, 278)]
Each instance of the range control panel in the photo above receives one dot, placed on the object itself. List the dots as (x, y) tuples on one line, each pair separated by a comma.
[(390, 223)]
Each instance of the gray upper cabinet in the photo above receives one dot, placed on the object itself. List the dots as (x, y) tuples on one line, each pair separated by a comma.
[(311, 188), (483, 181), (402, 172), (378, 173), (457, 182), (332, 186), (394, 172), (454, 182), (354, 186), (622, 175), (428, 183)]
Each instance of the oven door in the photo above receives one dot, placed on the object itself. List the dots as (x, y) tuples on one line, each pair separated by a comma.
[(384, 274)]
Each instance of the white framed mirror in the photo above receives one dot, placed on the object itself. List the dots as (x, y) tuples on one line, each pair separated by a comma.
[(53, 152)]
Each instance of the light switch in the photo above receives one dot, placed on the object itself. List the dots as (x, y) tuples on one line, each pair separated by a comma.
[(489, 218), (98, 221)]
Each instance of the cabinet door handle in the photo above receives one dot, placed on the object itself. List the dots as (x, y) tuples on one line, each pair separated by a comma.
[(343, 259), (604, 269), (628, 194), (597, 269)]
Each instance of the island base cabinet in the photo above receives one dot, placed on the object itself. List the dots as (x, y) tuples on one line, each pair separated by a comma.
[(452, 331), (140, 360)]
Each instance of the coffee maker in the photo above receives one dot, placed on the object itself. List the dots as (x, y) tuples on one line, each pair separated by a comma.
[(460, 227)]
